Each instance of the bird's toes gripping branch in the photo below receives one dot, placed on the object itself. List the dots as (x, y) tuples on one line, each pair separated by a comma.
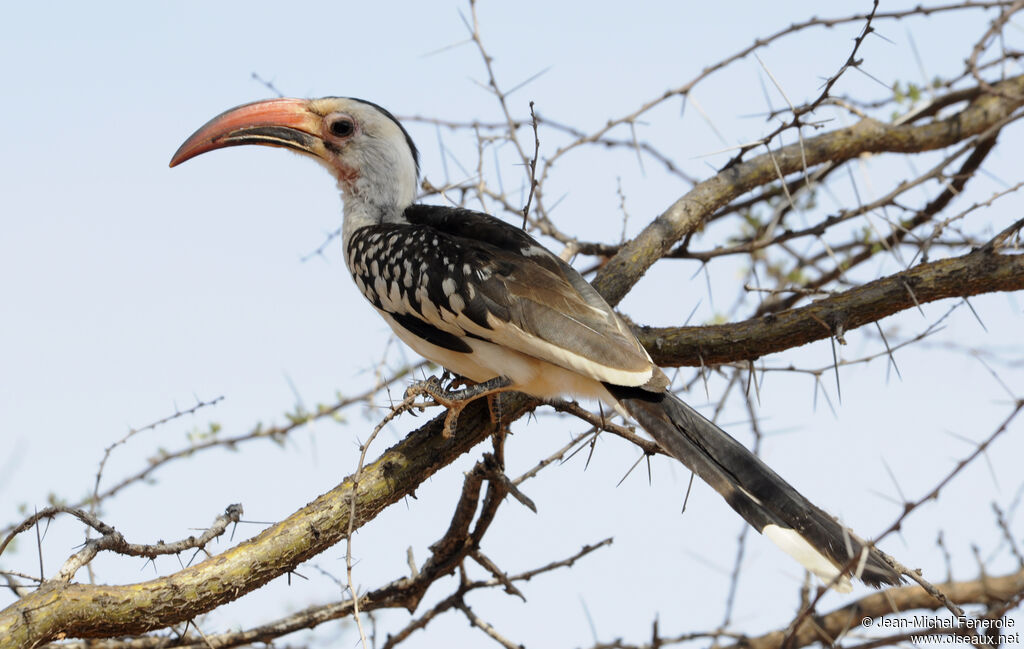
[(456, 400)]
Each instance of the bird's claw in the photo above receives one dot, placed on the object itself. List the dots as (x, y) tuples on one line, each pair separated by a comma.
[(455, 400)]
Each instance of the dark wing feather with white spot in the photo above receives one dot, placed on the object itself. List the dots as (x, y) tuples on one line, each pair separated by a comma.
[(465, 274)]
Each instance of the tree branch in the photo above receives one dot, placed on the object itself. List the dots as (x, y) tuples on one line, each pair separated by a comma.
[(57, 609), (829, 627), (971, 274), (688, 213)]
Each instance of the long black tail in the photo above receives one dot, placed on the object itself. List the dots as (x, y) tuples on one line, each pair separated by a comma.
[(756, 492)]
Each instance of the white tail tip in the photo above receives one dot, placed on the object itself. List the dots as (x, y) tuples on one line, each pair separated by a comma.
[(796, 546)]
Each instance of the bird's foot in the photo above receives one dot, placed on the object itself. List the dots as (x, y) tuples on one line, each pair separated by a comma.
[(456, 400)]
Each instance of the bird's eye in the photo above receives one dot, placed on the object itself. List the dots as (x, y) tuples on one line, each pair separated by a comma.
[(342, 127)]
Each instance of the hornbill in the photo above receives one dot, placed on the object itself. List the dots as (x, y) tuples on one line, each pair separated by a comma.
[(485, 300)]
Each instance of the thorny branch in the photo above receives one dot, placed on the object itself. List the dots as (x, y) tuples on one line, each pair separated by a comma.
[(113, 540), (793, 251)]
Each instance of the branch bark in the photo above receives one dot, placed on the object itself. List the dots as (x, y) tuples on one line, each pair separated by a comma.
[(828, 628), (977, 272)]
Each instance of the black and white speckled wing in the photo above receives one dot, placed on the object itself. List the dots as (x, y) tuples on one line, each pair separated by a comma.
[(449, 275)]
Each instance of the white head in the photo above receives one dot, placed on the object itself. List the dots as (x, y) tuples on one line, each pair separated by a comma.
[(364, 147)]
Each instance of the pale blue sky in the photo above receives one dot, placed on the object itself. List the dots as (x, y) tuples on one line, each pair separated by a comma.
[(129, 289)]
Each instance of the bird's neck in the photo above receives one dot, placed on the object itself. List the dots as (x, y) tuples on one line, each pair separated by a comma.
[(359, 214), (377, 185), (372, 206)]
